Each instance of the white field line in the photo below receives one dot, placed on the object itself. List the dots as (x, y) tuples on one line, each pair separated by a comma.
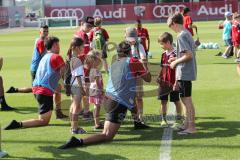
[(166, 143)]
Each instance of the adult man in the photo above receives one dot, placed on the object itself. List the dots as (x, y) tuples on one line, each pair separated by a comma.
[(143, 36), (50, 70), (4, 105), (120, 94), (38, 52)]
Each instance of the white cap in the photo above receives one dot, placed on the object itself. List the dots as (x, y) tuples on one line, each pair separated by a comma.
[(227, 14)]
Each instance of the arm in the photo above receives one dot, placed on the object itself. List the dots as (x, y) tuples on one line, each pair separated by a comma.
[(186, 57), (147, 77), (1, 63), (79, 81)]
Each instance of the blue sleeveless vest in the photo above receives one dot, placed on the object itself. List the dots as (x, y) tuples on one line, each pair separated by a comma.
[(121, 85), (46, 76)]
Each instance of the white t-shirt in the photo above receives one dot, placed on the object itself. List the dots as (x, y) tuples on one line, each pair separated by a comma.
[(76, 70)]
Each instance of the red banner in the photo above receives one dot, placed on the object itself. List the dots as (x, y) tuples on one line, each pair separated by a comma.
[(153, 12), (3, 16)]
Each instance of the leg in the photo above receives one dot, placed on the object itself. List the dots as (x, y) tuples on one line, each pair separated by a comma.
[(1, 87), (139, 103), (43, 120), (4, 105), (96, 115), (105, 64), (163, 110), (57, 102)]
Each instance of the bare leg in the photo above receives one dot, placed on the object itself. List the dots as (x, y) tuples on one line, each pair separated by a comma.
[(163, 109), (43, 120), (178, 107), (105, 65), (96, 114), (25, 90), (1, 87), (139, 103)]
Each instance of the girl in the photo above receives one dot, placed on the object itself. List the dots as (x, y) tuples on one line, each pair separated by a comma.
[(77, 90), (96, 94)]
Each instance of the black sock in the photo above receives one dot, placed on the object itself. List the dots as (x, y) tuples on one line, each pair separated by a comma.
[(3, 101)]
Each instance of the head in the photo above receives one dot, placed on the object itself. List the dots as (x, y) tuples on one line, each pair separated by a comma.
[(93, 59), (228, 15), (87, 24), (76, 46), (186, 11), (175, 22), (44, 31), (166, 40), (98, 21), (52, 44), (138, 23), (131, 35), (236, 16), (124, 49)]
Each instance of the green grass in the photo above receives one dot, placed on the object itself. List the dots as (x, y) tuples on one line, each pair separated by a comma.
[(215, 95)]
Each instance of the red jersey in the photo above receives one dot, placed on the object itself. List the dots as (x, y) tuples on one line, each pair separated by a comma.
[(104, 32), (235, 31), (40, 46), (187, 20), (56, 62), (143, 34), (167, 74), (136, 67), (84, 37)]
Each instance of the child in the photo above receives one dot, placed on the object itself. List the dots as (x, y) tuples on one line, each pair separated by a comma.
[(186, 70), (93, 61), (99, 37), (236, 36), (77, 90), (166, 40), (227, 34), (96, 85)]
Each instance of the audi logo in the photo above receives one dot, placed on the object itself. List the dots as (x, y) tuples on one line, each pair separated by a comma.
[(166, 10), (76, 12)]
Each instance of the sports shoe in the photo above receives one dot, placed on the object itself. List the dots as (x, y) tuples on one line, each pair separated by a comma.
[(224, 56), (60, 115), (98, 127), (140, 125), (13, 125), (79, 130), (7, 108), (219, 54), (71, 143), (164, 124), (237, 60), (12, 90)]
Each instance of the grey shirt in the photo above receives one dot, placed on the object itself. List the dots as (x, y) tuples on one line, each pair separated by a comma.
[(186, 71)]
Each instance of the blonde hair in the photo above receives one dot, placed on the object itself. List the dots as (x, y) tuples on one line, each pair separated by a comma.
[(93, 56)]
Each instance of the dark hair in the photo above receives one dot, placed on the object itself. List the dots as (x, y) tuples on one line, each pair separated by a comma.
[(76, 41), (166, 37), (138, 21), (44, 27), (186, 10), (123, 49), (50, 42), (175, 18)]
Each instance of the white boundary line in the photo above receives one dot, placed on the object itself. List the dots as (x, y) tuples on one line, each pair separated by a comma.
[(166, 143)]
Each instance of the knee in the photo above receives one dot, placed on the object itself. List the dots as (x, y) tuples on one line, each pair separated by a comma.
[(108, 137), (44, 122)]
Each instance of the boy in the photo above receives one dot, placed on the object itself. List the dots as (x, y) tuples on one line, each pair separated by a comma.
[(236, 36), (227, 34), (169, 54), (49, 72), (4, 105), (120, 96), (186, 70), (99, 37)]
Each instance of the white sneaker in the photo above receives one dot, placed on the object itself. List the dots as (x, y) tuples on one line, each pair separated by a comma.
[(237, 60), (78, 131)]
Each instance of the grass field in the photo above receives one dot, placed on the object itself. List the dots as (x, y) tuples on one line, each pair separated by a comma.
[(215, 94)]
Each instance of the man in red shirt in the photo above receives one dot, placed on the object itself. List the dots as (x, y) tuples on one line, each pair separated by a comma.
[(187, 20), (143, 36), (50, 70), (236, 36), (99, 37)]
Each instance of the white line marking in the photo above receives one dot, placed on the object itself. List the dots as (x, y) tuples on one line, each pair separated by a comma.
[(166, 143)]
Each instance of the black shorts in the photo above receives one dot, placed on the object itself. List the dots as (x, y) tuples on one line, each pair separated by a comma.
[(174, 97), (115, 112), (185, 88), (33, 75), (45, 103)]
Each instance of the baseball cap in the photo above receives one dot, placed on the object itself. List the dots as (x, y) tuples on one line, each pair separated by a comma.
[(88, 20), (227, 14), (131, 34)]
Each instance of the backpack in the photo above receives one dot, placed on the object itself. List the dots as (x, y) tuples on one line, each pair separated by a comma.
[(98, 39)]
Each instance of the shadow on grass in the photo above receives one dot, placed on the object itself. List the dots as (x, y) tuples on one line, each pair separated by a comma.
[(225, 63)]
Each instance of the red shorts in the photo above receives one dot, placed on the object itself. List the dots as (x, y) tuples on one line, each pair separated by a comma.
[(236, 43)]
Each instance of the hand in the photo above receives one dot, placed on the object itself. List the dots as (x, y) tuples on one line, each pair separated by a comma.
[(173, 65), (176, 86), (82, 91), (170, 60)]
